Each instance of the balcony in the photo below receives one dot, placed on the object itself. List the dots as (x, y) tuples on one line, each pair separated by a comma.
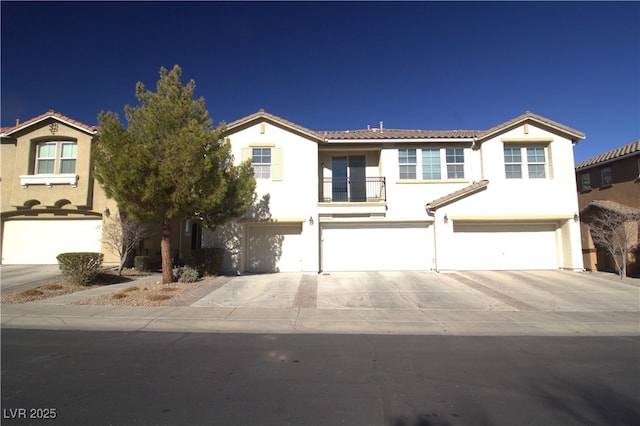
[(353, 190)]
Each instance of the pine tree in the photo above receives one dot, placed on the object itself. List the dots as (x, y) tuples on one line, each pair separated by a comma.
[(169, 162)]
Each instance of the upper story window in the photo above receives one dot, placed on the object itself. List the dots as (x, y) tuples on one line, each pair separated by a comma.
[(430, 161), (431, 164), (408, 160), (56, 157), (524, 162), (455, 163), (585, 181), (605, 176), (261, 162)]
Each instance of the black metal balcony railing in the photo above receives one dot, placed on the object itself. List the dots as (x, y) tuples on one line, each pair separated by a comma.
[(350, 190)]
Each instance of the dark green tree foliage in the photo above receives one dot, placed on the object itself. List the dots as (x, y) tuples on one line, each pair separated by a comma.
[(170, 162)]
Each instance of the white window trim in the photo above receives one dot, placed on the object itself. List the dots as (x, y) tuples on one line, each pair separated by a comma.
[(57, 157), (444, 176), (524, 162), (414, 164), (49, 180), (254, 163)]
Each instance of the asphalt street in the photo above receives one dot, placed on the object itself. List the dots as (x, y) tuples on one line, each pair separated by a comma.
[(144, 378)]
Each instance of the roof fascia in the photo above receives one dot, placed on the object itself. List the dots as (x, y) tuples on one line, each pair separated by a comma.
[(243, 123), (40, 120), (574, 137)]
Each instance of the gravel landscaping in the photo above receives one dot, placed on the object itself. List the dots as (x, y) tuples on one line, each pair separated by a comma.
[(150, 293)]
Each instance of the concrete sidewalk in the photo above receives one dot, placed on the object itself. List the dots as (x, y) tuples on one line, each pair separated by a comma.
[(194, 313)]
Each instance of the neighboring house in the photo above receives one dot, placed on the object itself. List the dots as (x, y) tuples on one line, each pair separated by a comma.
[(384, 199), (608, 181), (50, 201)]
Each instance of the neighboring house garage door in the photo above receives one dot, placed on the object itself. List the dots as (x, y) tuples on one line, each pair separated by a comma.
[(40, 241), (503, 247), (379, 247), (274, 248)]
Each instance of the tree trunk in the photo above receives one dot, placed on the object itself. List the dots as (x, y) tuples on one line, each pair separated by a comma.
[(165, 250)]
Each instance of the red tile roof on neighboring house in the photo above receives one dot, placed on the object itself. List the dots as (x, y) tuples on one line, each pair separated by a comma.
[(628, 149), (6, 131), (455, 196)]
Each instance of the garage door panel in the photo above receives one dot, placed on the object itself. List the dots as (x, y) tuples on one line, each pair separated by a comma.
[(384, 247), (41, 241), (504, 247), (275, 248)]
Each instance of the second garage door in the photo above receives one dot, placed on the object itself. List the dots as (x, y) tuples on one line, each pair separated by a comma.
[(504, 246), (379, 247)]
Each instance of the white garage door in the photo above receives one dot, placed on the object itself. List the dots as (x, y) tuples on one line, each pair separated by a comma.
[(275, 248), (503, 247), (380, 247), (40, 241)]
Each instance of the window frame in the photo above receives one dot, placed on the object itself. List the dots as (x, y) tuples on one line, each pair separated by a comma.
[(585, 186), (410, 167), (429, 169), (435, 170), (520, 165), (454, 165), (261, 165), (602, 176), (57, 158)]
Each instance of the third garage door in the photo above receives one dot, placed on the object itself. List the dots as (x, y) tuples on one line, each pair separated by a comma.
[(379, 247), (504, 246)]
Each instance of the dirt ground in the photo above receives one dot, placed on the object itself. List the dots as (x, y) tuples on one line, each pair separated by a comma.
[(151, 293)]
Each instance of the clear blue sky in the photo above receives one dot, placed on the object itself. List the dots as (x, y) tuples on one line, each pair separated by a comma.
[(337, 66)]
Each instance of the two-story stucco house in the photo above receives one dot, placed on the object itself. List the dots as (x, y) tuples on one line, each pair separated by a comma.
[(386, 199), (609, 181), (50, 201)]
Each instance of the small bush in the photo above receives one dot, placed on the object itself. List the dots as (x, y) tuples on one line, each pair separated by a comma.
[(177, 273), (80, 268), (189, 275), (208, 261), (119, 296), (141, 263)]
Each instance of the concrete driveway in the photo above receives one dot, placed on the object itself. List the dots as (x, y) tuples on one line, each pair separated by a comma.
[(547, 291), (14, 277)]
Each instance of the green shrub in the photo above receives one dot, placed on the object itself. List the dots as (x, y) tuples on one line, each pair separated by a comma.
[(177, 273), (141, 263), (80, 268), (208, 261), (189, 275)]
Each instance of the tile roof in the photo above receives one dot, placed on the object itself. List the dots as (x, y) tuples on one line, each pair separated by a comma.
[(528, 115), (621, 151), (400, 134), (6, 131), (455, 196), (612, 206)]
